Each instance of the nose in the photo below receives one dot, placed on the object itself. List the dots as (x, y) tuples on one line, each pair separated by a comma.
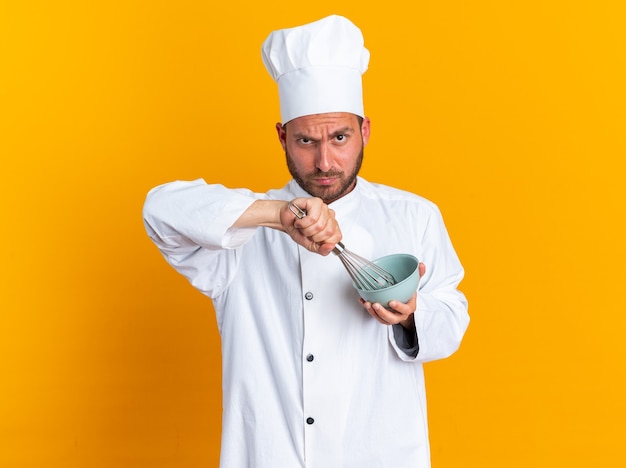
[(324, 158)]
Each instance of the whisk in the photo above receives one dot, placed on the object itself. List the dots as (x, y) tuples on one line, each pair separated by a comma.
[(365, 274)]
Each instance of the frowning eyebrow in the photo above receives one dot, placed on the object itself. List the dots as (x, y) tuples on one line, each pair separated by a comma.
[(347, 130)]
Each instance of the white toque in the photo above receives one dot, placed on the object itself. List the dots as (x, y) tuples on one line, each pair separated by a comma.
[(318, 67)]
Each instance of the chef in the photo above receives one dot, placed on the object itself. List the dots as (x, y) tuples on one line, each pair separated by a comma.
[(312, 375)]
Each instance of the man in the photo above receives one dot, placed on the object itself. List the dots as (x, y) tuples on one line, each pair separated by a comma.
[(312, 376)]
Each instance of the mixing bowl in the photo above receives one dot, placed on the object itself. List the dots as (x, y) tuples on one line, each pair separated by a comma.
[(404, 268)]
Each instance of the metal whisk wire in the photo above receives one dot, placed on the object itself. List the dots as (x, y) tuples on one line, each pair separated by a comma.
[(366, 275)]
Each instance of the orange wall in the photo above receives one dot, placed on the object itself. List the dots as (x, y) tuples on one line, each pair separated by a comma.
[(509, 115)]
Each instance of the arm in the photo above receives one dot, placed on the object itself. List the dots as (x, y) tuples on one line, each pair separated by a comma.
[(194, 223), (191, 214), (190, 223), (317, 232), (432, 323), (441, 315)]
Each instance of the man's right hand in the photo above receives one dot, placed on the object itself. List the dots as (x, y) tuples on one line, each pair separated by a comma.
[(318, 231)]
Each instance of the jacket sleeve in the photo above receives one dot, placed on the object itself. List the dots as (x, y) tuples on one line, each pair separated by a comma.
[(441, 317), (190, 223)]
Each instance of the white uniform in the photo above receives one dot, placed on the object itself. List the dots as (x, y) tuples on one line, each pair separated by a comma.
[(309, 378)]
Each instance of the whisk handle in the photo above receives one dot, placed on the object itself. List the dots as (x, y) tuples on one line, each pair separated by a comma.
[(296, 210), (339, 247)]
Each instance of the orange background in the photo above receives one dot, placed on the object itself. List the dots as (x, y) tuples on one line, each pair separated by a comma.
[(509, 115)]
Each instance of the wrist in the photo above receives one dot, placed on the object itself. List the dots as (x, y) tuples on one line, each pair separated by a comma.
[(409, 323), (263, 213)]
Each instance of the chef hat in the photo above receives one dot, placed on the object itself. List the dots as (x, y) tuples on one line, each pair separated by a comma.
[(318, 67)]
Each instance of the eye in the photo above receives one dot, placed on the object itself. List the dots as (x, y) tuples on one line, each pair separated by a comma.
[(341, 138), (305, 141)]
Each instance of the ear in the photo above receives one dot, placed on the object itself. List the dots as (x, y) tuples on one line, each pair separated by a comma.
[(282, 135), (365, 130)]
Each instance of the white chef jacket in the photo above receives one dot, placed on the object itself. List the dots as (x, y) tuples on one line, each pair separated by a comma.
[(309, 378)]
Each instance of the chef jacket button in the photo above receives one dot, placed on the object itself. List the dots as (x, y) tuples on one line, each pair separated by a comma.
[(308, 296), (310, 357), (310, 420)]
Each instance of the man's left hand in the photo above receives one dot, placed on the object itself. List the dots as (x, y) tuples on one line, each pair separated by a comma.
[(400, 313)]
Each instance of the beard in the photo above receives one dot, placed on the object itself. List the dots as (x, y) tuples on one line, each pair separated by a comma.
[(327, 194)]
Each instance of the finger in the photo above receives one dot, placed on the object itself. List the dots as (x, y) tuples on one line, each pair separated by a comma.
[(310, 211), (328, 234), (316, 221), (381, 314), (325, 248), (405, 309), (389, 317), (324, 224), (378, 314)]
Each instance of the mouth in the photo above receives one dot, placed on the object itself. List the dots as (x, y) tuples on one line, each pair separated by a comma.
[(325, 180)]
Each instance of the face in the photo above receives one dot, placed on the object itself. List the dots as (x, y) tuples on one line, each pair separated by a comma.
[(324, 152)]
